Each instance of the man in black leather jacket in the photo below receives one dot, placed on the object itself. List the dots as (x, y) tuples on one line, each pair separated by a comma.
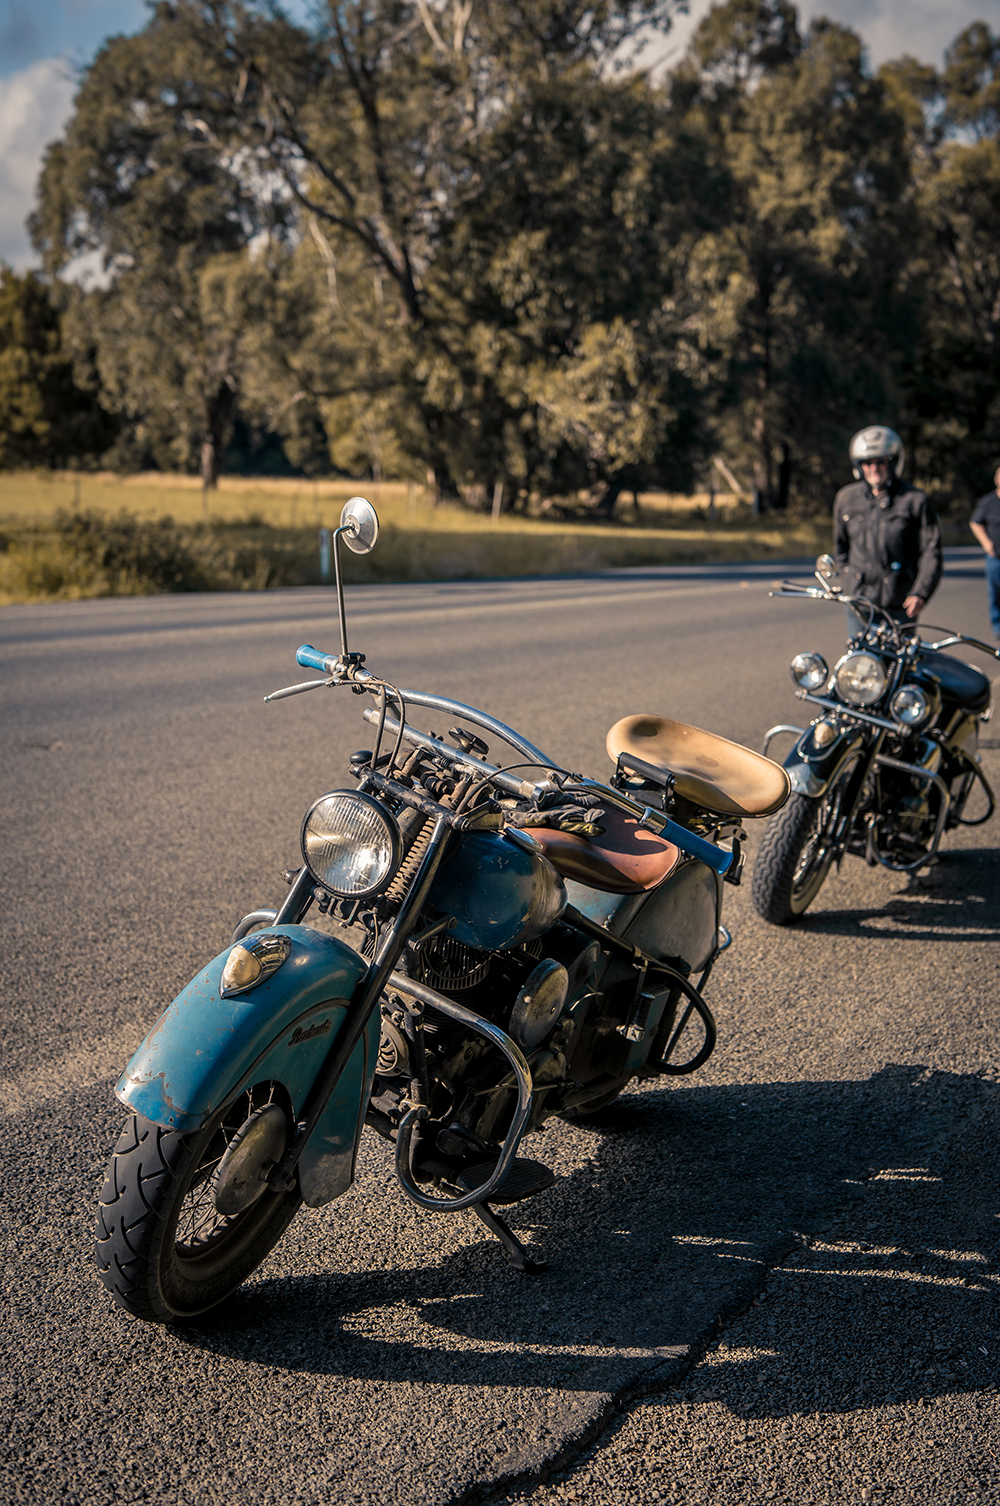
[(886, 535)]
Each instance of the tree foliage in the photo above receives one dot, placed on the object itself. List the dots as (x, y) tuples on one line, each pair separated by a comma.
[(472, 237), (45, 416)]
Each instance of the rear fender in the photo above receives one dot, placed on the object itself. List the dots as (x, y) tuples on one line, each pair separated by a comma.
[(812, 769), (205, 1049)]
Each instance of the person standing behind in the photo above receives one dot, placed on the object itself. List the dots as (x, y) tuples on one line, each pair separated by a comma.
[(985, 524), (885, 531)]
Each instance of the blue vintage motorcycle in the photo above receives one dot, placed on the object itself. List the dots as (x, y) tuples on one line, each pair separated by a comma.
[(489, 946)]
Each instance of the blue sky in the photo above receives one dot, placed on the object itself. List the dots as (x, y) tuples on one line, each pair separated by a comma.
[(43, 44)]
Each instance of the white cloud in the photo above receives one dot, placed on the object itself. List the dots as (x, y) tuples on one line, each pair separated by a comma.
[(888, 28), (34, 106)]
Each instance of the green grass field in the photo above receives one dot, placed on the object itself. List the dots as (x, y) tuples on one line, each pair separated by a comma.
[(254, 533)]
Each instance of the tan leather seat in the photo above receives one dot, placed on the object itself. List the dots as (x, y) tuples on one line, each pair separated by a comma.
[(710, 771), (625, 860)]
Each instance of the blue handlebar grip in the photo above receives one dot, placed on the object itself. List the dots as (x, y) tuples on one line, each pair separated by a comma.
[(311, 658), (713, 857)]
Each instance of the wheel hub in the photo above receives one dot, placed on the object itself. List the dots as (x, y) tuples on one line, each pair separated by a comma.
[(256, 1147)]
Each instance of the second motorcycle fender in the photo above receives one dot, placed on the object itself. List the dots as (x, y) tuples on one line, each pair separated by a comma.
[(204, 1049), (810, 769)]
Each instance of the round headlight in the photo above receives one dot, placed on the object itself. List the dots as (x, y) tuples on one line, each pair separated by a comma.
[(860, 679), (351, 844), (910, 706), (809, 671)]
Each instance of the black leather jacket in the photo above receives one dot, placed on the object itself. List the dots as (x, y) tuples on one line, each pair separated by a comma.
[(892, 546)]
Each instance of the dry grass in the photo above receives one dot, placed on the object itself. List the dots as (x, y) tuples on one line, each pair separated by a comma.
[(34, 497), (261, 532)]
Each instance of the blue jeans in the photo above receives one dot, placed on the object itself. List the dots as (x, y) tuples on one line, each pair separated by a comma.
[(993, 592)]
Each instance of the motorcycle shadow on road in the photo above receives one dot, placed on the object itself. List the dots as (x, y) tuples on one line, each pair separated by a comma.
[(824, 1225), (956, 900)]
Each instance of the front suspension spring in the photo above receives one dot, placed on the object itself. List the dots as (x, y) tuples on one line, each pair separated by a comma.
[(407, 869)]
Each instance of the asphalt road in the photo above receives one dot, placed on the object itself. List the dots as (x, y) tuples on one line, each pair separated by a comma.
[(778, 1280)]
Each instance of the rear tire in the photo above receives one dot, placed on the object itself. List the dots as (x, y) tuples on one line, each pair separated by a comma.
[(790, 867), (163, 1250)]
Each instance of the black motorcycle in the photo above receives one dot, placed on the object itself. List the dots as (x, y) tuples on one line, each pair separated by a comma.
[(886, 768)]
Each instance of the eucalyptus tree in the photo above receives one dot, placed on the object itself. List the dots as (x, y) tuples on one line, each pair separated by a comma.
[(49, 411), (955, 375), (442, 159), (147, 181), (790, 290)]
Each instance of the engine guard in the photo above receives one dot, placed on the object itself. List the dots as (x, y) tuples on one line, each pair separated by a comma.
[(205, 1049), (811, 770)]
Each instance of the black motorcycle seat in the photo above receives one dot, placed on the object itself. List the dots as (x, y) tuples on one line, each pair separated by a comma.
[(710, 771), (959, 682), (625, 859)]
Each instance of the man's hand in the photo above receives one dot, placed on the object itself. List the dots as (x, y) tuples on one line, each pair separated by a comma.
[(913, 606), (983, 539)]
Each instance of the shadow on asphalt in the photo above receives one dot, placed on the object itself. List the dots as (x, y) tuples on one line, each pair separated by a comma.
[(688, 1197), (957, 900)]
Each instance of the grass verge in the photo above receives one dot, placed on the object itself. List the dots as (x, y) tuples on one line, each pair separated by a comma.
[(67, 537)]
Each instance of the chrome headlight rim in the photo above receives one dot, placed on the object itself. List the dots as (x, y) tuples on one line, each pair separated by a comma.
[(394, 843), (850, 694), (812, 672), (920, 698)]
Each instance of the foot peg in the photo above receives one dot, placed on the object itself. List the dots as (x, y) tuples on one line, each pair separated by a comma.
[(524, 1179)]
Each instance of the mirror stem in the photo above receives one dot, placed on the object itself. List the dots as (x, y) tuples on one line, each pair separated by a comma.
[(346, 528)]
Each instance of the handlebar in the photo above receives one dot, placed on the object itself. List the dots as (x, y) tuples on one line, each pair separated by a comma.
[(348, 670)]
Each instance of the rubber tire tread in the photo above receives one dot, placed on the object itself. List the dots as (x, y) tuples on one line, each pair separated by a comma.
[(784, 837), (146, 1168)]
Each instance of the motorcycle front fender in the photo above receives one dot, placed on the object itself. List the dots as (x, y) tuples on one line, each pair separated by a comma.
[(812, 769), (206, 1049)]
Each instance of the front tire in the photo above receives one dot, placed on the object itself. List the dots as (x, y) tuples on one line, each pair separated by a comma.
[(793, 860), (163, 1250)]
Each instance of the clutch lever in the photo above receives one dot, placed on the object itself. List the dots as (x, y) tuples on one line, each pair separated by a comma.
[(281, 695)]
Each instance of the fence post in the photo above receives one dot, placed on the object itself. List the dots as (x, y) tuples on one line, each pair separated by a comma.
[(324, 553), (497, 499)]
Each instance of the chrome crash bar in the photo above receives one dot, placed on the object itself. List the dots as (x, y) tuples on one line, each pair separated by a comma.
[(522, 1076)]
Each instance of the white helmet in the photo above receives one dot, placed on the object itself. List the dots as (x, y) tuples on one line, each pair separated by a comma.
[(877, 443)]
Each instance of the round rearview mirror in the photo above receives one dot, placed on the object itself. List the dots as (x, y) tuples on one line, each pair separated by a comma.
[(359, 520), (827, 566)]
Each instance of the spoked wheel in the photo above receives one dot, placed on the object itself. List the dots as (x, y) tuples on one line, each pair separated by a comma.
[(184, 1219), (796, 852)]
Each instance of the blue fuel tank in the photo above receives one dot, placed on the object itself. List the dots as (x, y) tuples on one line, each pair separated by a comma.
[(500, 894)]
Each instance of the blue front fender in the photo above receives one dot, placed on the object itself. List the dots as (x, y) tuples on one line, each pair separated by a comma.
[(205, 1049)]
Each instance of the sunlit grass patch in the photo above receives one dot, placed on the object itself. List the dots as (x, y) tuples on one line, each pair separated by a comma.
[(69, 536)]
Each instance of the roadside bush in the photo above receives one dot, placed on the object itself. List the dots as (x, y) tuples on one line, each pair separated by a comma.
[(132, 556), (90, 553)]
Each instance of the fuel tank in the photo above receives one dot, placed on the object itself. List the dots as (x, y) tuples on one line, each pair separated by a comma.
[(500, 894)]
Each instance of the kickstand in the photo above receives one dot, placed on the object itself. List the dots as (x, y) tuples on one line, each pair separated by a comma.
[(514, 1250)]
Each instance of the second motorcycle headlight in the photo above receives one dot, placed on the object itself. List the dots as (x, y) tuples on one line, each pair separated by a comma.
[(809, 671), (351, 844), (860, 679), (909, 706)]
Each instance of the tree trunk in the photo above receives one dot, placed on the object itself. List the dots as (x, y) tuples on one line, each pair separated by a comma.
[(784, 478), (217, 420)]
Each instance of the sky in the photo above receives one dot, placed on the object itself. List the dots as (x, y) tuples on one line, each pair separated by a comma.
[(44, 44)]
